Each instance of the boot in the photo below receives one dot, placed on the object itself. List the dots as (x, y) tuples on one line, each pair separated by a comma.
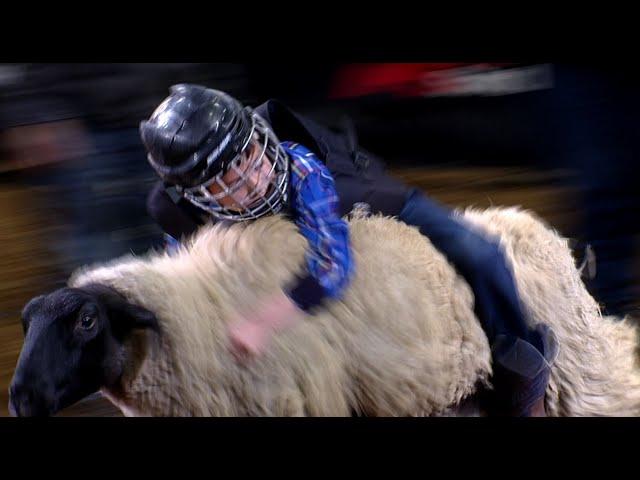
[(521, 373)]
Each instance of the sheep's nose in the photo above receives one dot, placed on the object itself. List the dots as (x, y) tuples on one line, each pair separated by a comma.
[(24, 401)]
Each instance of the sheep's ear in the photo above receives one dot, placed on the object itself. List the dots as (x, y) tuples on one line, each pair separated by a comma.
[(139, 317), (123, 315)]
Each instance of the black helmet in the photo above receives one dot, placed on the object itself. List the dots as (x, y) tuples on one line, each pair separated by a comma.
[(194, 134), (197, 135)]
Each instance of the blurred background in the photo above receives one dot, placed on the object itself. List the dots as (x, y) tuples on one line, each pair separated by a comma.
[(561, 140)]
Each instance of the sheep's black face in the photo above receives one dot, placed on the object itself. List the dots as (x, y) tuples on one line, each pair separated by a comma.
[(73, 347)]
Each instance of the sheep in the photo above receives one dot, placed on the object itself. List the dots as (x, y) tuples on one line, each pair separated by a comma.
[(403, 340)]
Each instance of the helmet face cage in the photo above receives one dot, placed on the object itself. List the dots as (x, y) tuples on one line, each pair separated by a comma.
[(264, 192)]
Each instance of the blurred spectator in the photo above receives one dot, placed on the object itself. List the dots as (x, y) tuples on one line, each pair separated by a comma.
[(81, 121), (595, 130)]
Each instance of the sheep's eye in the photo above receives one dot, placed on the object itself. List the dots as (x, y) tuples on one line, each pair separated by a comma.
[(87, 322)]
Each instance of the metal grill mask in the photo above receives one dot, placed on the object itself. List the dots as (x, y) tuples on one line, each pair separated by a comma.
[(257, 179)]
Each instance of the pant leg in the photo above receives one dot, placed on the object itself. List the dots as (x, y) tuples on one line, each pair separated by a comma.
[(521, 356), (478, 259)]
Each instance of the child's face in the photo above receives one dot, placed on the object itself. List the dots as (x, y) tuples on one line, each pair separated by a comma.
[(256, 182)]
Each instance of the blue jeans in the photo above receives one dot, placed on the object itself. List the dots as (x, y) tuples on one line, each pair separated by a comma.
[(479, 260)]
